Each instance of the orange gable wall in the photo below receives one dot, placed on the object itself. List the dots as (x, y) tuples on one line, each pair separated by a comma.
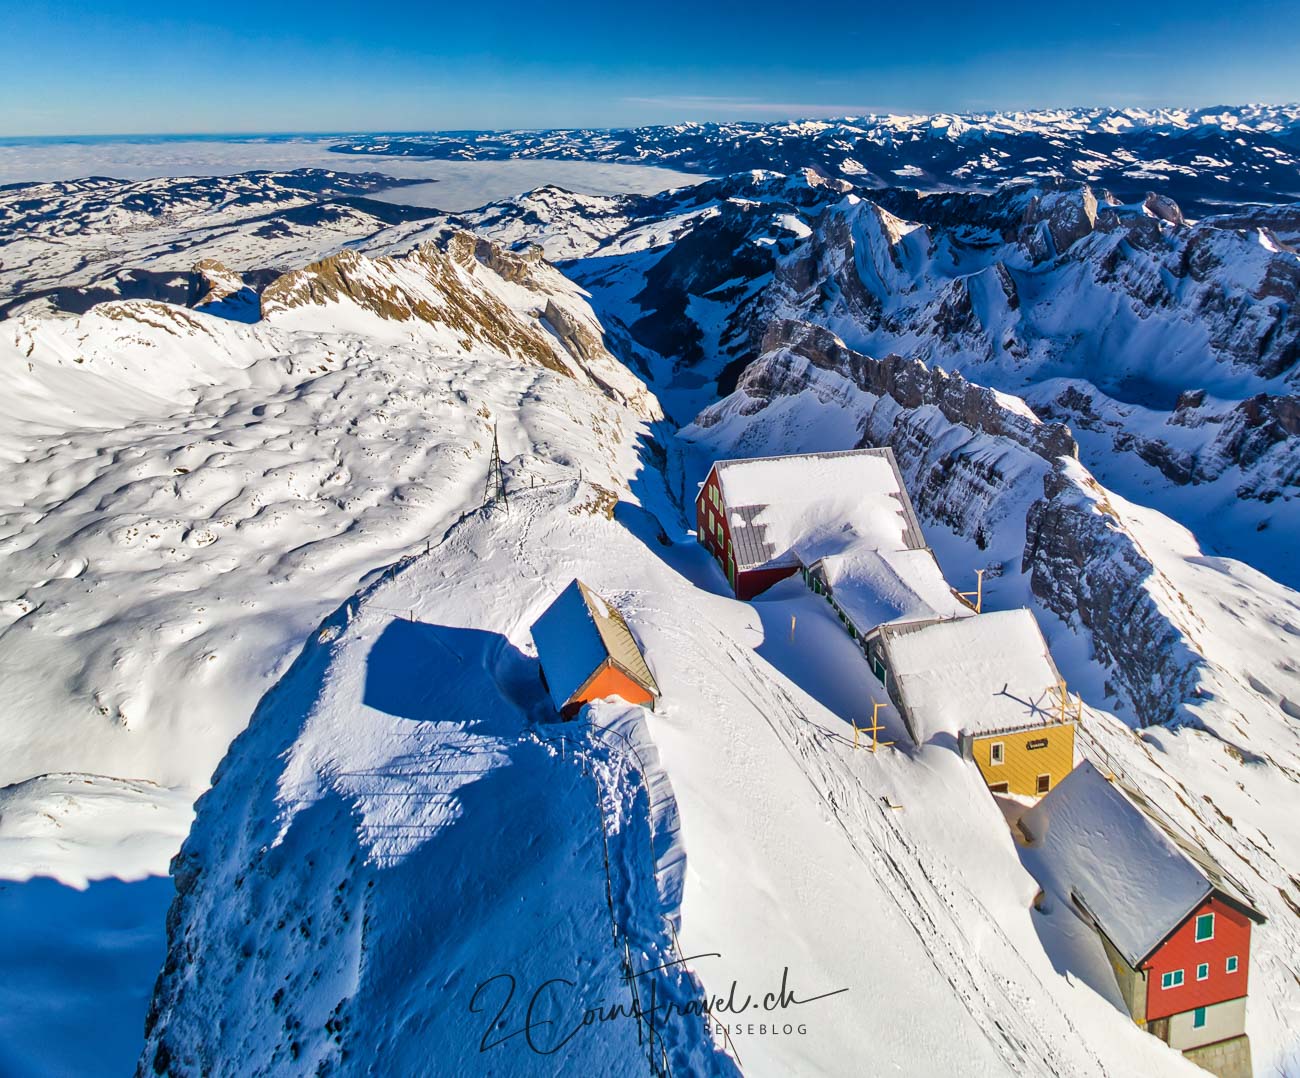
[(610, 681), (1181, 951)]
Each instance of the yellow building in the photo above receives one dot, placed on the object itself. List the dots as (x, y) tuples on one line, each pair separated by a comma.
[(1028, 760), (986, 685)]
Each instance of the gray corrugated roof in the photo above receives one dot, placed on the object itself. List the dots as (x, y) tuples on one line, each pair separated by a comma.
[(749, 542)]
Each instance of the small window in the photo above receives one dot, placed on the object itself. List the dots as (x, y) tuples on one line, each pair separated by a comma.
[(997, 753), (717, 527), (1198, 1018), (1204, 927), (1173, 979), (1231, 965), (1044, 783), (999, 788), (1203, 971)]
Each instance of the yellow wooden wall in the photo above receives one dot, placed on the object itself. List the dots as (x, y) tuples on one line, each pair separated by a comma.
[(1022, 765)]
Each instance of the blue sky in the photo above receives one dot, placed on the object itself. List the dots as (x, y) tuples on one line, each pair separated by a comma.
[(119, 67)]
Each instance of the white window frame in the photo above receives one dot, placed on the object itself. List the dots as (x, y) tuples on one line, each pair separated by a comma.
[(1043, 787), (1197, 933), (1232, 964), (1172, 979), (1203, 971), (997, 753)]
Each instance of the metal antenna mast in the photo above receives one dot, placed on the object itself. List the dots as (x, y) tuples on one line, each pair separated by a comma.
[(494, 493)]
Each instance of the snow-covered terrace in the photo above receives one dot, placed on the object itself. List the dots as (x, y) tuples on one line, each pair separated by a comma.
[(973, 675), (873, 587)]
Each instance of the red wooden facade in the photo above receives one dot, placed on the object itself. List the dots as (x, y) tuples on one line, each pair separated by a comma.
[(1182, 951), (714, 533)]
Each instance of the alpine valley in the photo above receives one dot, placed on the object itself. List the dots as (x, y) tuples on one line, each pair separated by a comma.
[(281, 791)]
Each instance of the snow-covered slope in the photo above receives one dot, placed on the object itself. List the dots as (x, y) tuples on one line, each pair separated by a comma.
[(186, 495)]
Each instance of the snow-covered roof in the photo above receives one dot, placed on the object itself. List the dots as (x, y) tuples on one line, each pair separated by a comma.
[(1093, 844), (979, 674), (785, 509), (876, 586), (576, 634)]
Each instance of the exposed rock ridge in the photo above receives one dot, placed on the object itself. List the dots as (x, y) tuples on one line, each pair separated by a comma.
[(1091, 572), (515, 303), (911, 384)]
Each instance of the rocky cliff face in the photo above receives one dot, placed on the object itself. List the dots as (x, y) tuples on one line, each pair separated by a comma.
[(475, 292), (1084, 567), (1234, 289), (1252, 445), (1037, 281)]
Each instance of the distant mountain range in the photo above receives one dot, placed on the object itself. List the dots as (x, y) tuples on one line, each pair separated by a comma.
[(1201, 157)]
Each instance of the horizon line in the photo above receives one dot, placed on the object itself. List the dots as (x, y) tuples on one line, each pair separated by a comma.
[(373, 132)]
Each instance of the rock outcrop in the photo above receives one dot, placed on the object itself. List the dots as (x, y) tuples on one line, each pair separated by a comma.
[(909, 383), (1088, 570), (476, 291)]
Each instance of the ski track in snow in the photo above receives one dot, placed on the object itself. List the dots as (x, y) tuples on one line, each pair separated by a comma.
[(936, 912)]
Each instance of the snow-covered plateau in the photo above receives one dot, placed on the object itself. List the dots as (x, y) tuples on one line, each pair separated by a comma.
[(281, 789)]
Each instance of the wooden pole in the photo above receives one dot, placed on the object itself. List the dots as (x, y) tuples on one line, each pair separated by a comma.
[(792, 628), (978, 593), (875, 727)]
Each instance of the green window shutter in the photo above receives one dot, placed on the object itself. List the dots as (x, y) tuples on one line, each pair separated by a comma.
[(1198, 1018), (1204, 927)]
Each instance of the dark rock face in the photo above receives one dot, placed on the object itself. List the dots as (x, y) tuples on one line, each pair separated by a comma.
[(911, 384), (1087, 569), (1068, 213), (1258, 437), (216, 289), (721, 249)]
